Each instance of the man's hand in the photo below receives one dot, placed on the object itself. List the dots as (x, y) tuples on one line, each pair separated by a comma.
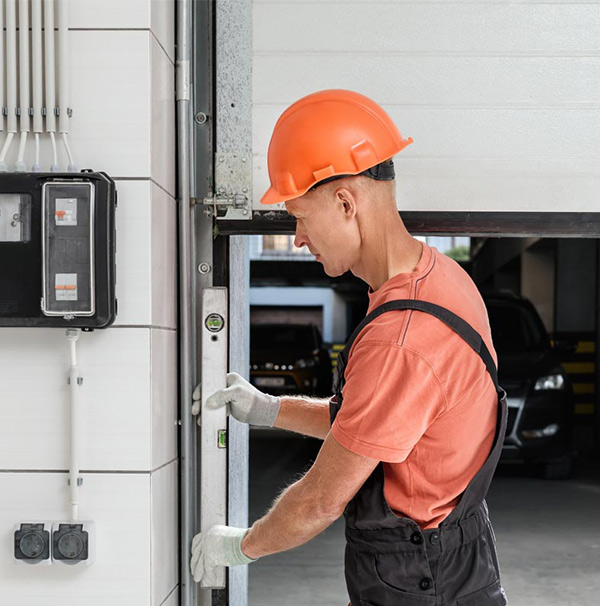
[(219, 546), (243, 400)]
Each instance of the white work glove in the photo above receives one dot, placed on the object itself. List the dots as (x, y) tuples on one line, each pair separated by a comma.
[(246, 403), (219, 546)]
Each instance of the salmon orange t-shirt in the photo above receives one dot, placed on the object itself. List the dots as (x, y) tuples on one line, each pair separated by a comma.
[(417, 397)]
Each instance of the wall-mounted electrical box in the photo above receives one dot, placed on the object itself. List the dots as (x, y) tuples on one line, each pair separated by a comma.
[(47, 543), (57, 250)]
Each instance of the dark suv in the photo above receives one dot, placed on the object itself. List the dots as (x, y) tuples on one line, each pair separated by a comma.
[(289, 359), (540, 398)]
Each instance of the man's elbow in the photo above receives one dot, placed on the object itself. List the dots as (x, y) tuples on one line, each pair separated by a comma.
[(328, 508)]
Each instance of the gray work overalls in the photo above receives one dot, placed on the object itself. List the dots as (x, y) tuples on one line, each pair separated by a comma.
[(389, 560)]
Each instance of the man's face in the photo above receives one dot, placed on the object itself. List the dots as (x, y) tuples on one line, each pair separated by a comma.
[(322, 226)]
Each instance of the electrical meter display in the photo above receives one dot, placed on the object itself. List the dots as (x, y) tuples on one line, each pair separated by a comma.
[(57, 250)]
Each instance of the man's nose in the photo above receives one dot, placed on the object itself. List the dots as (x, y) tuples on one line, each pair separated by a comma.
[(300, 239)]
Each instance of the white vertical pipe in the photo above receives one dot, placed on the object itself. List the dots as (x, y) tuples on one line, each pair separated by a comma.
[(2, 100), (75, 393), (11, 77), (11, 64), (63, 66), (36, 41), (24, 90), (37, 82), (55, 167), (63, 78), (49, 71)]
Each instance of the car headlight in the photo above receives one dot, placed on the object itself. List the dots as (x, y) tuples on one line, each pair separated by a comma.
[(304, 363), (550, 382)]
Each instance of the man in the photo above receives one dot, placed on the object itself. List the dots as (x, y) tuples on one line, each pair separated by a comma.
[(414, 431)]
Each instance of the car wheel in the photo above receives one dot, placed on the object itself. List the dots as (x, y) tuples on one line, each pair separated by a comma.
[(559, 469)]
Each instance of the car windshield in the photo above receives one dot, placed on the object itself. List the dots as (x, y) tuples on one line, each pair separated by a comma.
[(282, 336), (515, 329)]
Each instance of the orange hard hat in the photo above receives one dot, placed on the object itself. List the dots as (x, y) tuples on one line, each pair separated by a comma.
[(329, 134)]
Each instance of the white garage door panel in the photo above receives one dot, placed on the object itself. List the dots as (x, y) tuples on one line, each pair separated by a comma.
[(429, 81), (498, 190), (485, 185), (423, 27), (502, 98), (479, 133)]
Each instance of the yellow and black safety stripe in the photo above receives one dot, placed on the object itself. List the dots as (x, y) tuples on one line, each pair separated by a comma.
[(581, 369), (334, 352)]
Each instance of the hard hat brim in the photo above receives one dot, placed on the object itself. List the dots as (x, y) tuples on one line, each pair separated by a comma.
[(272, 196)]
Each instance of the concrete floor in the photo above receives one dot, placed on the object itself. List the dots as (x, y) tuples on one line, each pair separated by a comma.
[(548, 536)]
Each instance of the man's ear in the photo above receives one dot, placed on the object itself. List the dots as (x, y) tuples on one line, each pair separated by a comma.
[(346, 199)]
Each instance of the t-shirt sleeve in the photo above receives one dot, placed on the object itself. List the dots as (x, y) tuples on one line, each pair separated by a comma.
[(390, 398)]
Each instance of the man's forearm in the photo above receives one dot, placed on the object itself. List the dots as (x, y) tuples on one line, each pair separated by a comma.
[(295, 518), (308, 416)]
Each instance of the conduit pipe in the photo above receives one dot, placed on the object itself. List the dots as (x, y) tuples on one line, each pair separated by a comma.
[(63, 77), (75, 383), (24, 90), (37, 81), (11, 78), (50, 77), (189, 591)]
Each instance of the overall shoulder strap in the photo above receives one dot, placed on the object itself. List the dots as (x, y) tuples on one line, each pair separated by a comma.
[(456, 323)]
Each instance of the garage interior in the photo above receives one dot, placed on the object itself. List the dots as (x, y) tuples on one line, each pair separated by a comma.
[(547, 530)]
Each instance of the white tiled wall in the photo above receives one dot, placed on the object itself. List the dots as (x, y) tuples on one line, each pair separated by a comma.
[(122, 95), (500, 97), (120, 505)]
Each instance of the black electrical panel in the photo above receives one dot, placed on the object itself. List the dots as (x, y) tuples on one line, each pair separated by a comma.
[(57, 250)]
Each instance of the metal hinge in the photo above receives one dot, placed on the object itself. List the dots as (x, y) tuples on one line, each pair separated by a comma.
[(223, 200)]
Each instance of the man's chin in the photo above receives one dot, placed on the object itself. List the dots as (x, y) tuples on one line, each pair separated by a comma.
[(331, 272)]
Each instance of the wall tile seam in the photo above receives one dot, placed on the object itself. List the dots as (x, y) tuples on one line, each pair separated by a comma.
[(151, 78), (171, 197), (150, 180), (146, 326), (436, 54), (423, 158), (171, 59), (136, 472), (125, 29), (442, 2), (583, 105), (513, 162), (151, 416), (170, 594)]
